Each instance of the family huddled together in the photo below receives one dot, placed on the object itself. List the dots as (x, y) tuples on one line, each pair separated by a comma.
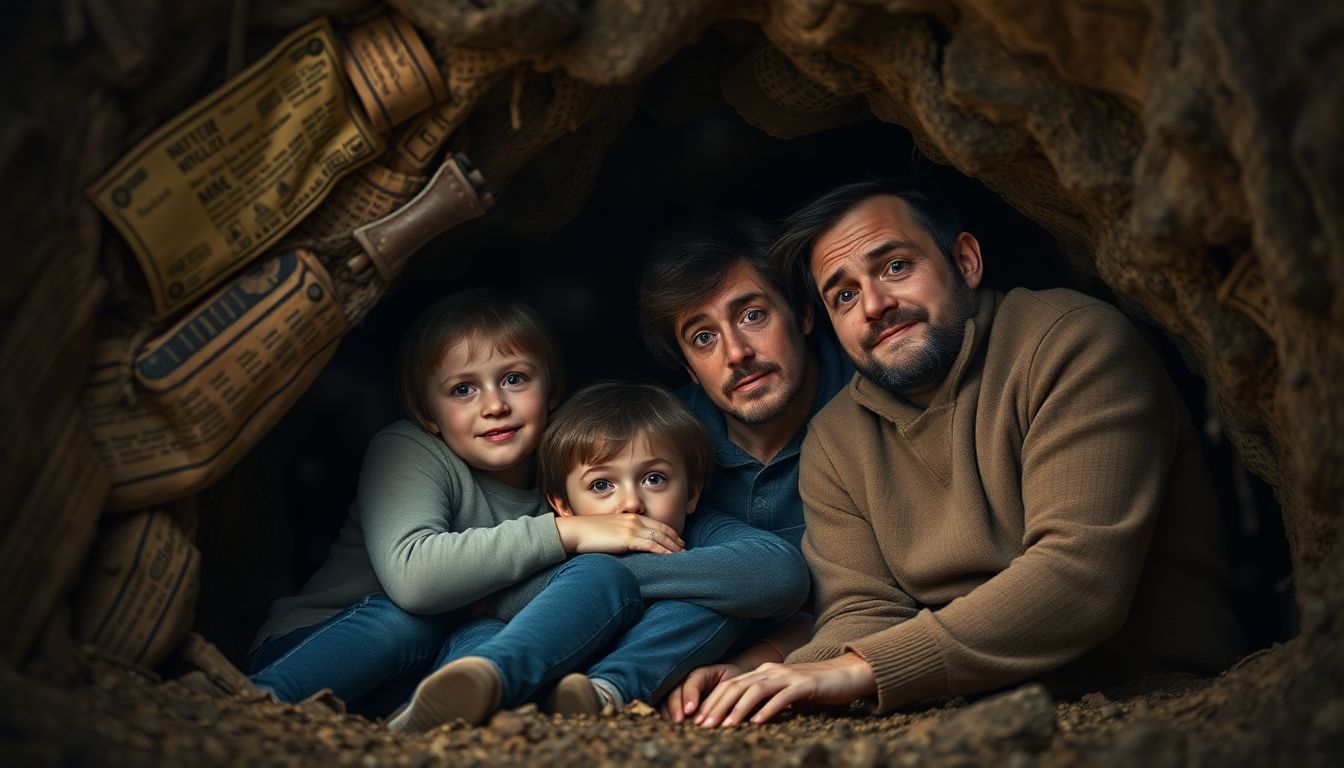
[(947, 491)]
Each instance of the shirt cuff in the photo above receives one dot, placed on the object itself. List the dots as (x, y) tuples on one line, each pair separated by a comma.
[(907, 662)]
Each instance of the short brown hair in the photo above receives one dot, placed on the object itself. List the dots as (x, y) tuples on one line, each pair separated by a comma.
[(476, 317), (792, 250), (687, 268), (601, 420)]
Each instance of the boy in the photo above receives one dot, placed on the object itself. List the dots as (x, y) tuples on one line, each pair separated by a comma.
[(619, 451), (446, 513)]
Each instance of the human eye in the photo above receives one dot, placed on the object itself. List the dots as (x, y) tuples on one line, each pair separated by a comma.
[(844, 296), (896, 266), (461, 390), (702, 339), (753, 316), (600, 486), (514, 379), (655, 479)]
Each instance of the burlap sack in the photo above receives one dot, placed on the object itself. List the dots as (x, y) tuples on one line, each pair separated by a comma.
[(137, 597), (207, 389), (44, 539)]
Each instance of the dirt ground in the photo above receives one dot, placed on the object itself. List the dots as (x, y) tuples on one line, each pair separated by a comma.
[(106, 713)]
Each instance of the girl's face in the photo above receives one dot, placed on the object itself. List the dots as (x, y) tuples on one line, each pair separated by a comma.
[(490, 409)]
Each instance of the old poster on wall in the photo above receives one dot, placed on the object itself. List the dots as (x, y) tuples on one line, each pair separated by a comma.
[(215, 383), (224, 180)]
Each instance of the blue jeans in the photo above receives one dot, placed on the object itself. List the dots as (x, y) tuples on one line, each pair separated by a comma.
[(673, 638), (371, 655), (641, 657), (589, 602)]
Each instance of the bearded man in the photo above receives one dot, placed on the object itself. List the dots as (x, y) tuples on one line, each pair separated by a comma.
[(1008, 488)]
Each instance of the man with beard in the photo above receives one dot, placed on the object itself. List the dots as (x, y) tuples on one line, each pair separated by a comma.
[(1009, 489), (713, 304)]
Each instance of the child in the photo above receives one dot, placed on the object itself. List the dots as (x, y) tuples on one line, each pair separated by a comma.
[(618, 451), (446, 513)]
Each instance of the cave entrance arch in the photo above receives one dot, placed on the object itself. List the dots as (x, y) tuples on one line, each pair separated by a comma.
[(1193, 172)]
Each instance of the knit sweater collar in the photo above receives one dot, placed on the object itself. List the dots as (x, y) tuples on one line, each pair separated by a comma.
[(928, 429)]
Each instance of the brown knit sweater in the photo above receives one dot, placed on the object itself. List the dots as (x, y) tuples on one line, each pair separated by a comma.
[(1048, 510)]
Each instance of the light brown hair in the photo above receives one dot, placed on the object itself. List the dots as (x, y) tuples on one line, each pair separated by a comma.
[(601, 420), (477, 318)]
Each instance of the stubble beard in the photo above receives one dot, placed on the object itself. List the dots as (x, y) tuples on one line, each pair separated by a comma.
[(930, 361), (754, 414)]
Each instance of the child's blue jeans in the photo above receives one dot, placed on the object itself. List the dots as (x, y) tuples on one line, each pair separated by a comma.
[(644, 662), (371, 655), (374, 652)]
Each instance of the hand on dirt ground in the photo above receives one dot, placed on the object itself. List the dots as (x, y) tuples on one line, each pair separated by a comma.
[(682, 702), (771, 688), (616, 534)]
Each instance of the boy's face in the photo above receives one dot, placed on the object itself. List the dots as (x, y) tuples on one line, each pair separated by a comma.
[(490, 409), (644, 478)]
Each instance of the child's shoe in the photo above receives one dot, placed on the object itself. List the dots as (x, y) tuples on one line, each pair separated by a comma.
[(577, 694), (467, 689)]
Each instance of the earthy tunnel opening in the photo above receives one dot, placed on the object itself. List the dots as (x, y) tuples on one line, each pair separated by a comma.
[(267, 526)]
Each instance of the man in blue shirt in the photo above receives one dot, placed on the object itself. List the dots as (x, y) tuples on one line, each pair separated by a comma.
[(712, 304)]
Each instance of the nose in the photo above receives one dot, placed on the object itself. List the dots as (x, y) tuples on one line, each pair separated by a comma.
[(631, 503), (738, 349), (493, 403), (876, 302)]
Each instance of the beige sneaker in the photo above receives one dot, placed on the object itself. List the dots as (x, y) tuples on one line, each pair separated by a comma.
[(574, 695), (467, 689)]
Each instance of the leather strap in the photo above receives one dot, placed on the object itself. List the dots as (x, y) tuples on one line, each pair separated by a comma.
[(454, 194)]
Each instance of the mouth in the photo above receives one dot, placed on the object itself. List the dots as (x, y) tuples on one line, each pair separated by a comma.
[(893, 332), (752, 382), (500, 434)]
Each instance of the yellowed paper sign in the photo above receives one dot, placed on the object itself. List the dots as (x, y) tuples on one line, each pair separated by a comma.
[(138, 596), (370, 193), (215, 383), (391, 70), (44, 541), (224, 180), (415, 145)]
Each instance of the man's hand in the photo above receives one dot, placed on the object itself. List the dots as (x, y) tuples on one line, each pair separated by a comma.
[(682, 702), (616, 534), (771, 688)]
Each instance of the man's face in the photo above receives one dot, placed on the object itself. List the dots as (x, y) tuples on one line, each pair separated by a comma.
[(898, 308), (644, 478), (744, 347)]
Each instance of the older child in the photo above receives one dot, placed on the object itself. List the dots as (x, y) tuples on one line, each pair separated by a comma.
[(612, 452), (446, 513)]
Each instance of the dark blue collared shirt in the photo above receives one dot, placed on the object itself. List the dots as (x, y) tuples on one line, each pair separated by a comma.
[(766, 496)]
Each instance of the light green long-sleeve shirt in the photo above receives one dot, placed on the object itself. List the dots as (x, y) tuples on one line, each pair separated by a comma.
[(428, 530)]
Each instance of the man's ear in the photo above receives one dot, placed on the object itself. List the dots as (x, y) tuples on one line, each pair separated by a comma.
[(966, 257), (559, 505)]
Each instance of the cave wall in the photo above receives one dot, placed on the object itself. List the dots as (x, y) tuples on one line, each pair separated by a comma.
[(1185, 153)]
